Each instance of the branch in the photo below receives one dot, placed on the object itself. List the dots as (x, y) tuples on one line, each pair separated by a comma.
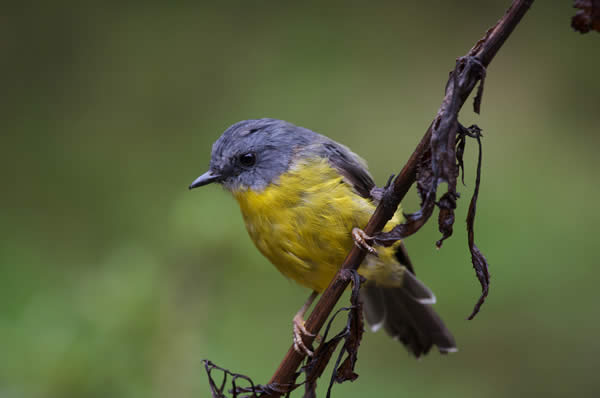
[(483, 52)]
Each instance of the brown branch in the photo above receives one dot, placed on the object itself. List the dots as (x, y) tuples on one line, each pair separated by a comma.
[(483, 52)]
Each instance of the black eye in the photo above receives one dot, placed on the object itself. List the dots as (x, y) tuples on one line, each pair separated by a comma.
[(247, 159)]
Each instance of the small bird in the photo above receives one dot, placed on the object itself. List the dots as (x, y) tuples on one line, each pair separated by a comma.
[(304, 199)]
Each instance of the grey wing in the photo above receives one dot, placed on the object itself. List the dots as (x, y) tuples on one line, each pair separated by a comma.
[(351, 167)]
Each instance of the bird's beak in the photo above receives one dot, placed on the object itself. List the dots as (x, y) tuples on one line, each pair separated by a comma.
[(204, 179)]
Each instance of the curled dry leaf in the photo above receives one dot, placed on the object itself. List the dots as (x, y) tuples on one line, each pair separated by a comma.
[(479, 261), (588, 16), (447, 205), (351, 335), (218, 389), (442, 162), (426, 188)]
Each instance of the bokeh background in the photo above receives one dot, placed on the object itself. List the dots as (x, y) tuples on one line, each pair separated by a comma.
[(117, 281)]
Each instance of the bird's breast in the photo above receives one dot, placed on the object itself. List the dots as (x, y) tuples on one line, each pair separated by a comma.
[(302, 221)]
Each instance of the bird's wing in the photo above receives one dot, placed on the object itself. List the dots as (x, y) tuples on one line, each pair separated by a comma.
[(351, 167)]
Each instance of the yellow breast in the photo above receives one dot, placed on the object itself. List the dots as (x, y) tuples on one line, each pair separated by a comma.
[(303, 221)]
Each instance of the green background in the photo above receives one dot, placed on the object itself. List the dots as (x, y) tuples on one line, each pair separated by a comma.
[(116, 281)]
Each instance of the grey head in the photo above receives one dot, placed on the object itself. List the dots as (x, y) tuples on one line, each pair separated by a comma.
[(254, 153)]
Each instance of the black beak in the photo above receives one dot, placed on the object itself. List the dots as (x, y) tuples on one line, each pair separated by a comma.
[(204, 179)]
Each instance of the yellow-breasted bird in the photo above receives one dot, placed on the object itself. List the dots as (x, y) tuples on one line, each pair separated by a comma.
[(304, 198)]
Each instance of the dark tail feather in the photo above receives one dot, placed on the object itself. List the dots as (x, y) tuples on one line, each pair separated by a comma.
[(406, 313)]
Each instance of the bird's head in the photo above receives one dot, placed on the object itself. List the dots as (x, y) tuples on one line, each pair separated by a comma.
[(251, 154)]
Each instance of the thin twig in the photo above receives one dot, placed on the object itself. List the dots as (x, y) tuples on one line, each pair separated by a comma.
[(484, 51)]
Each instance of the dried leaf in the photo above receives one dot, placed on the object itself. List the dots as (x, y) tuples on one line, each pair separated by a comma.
[(317, 364), (356, 329), (424, 176), (432, 169), (479, 261), (588, 16), (443, 147), (460, 151), (237, 392), (447, 205), (479, 95), (426, 179), (346, 371), (439, 163), (352, 334)]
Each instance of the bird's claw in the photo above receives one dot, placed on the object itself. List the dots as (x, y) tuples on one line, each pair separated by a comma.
[(360, 240), (299, 331)]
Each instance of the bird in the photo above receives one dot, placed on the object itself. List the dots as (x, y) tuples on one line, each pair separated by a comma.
[(304, 199)]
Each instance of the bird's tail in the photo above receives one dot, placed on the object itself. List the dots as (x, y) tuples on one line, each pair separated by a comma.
[(406, 314)]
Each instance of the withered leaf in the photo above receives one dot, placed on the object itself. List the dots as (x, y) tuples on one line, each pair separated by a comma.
[(218, 391), (355, 333), (460, 151), (426, 180), (447, 205), (424, 176), (588, 16), (317, 364), (352, 335), (439, 163), (479, 261)]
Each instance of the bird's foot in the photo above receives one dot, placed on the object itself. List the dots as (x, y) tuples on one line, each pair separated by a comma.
[(360, 240), (299, 332)]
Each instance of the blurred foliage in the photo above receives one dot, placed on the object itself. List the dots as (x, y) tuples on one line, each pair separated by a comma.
[(116, 281)]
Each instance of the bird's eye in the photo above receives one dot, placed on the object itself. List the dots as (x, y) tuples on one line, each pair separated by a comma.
[(247, 159)]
